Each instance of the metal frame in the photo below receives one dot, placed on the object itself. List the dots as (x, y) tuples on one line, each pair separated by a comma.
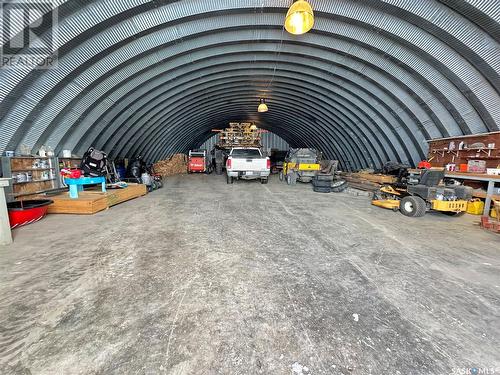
[(381, 77), (492, 180)]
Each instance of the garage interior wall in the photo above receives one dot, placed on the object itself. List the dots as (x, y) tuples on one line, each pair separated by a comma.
[(373, 81)]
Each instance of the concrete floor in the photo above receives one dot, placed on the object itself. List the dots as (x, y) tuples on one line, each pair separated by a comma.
[(207, 278)]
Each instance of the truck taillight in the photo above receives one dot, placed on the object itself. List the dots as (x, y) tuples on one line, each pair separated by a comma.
[(268, 163), (228, 164)]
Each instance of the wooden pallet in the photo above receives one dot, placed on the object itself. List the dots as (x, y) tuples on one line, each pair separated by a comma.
[(91, 201), (116, 196), (86, 204)]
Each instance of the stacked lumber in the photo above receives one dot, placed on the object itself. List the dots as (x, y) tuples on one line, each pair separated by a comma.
[(177, 164), (368, 181), (377, 178)]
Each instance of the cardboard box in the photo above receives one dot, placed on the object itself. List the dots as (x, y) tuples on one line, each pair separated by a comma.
[(476, 166), (493, 171)]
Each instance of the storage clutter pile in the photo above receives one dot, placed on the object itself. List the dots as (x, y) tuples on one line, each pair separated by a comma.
[(177, 164)]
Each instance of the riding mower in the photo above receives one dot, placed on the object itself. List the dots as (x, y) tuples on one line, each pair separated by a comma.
[(420, 191)]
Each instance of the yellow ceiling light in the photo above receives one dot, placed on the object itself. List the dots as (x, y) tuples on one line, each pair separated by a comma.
[(263, 106), (300, 18)]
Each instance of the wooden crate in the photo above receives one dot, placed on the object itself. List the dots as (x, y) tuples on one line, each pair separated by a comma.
[(88, 203)]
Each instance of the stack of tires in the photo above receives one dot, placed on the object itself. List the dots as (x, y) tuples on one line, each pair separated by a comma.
[(326, 183), (339, 185), (322, 183)]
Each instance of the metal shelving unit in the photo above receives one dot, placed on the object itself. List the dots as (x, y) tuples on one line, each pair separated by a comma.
[(13, 166)]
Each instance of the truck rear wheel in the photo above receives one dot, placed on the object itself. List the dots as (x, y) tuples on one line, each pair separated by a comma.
[(413, 206), (264, 180), (230, 179)]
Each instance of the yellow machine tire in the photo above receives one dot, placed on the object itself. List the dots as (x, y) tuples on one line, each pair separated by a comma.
[(413, 206)]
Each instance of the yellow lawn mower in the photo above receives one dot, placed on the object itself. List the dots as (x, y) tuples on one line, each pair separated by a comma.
[(423, 194)]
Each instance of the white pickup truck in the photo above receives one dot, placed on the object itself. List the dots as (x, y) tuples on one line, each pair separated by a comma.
[(247, 163)]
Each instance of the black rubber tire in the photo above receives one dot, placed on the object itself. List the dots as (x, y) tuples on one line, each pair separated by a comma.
[(321, 183), (264, 180), (323, 177), (318, 189), (159, 184), (229, 180), (339, 186), (413, 206), (454, 214), (149, 188), (281, 176), (291, 179)]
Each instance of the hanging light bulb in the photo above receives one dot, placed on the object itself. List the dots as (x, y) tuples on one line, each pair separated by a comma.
[(263, 106), (300, 18)]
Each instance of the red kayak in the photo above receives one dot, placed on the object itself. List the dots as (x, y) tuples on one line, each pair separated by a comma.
[(27, 212)]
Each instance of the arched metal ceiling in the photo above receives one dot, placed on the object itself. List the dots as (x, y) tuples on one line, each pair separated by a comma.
[(371, 82)]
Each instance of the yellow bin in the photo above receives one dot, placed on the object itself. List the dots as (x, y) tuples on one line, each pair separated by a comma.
[(475, 207)]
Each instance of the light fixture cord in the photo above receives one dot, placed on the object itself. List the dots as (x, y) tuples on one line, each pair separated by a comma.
[(277, 54)]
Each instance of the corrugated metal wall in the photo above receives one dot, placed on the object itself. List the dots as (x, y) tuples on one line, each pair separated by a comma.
[(373, 81), (269, 141)]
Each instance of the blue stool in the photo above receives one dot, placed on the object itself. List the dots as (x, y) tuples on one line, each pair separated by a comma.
[(76, 184)]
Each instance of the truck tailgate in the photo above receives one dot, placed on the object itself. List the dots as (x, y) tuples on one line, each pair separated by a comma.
[(242, 164)]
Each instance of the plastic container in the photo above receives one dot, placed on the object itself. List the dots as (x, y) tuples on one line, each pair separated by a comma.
[(475, 207), (146, 179), (463, 167), (27, 212)]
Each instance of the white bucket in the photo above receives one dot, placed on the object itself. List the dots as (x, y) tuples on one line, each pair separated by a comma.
[(146, 179)]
